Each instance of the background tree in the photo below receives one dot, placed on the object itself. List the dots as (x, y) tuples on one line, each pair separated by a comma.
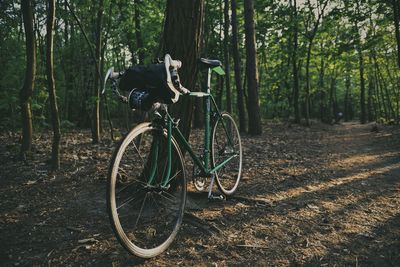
[(253, 105), (55, 153), (27, 89), (237, 68)]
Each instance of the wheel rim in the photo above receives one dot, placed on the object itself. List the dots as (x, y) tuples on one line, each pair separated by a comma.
[(146, 217), (223, 148)]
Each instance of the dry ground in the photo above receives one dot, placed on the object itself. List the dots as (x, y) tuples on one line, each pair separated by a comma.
[(319, 196)]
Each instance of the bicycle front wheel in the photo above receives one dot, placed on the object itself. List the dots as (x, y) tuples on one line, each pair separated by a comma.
[(145, 211), (226, 147)]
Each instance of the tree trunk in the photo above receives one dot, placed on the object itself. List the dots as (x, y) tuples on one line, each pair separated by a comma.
[(97, 77), (253, 105), (296, 89), (236, 62), (55, 120), (198, 120), (27, 89), (347, 103), (363, 115), (363, 118), (371, 89), (307, 104), (396, 20), (138, 32), (321, 85), (182, 39), (226, 57)]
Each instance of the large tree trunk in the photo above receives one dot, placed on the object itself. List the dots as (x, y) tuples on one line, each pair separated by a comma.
[(55, 120), (182, 39), (97, 77), (226, 57), (253, 105), (236, 62), (27, 89)]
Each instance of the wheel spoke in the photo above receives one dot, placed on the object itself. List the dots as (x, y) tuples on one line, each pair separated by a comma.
[(141, 210), (129, 199)]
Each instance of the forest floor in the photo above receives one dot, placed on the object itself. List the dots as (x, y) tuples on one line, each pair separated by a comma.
[(319, 196)]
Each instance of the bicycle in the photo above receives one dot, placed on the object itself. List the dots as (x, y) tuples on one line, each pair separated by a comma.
[(146, 192)]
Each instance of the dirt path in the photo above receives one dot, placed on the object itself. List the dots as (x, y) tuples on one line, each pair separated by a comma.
[(319, 196)]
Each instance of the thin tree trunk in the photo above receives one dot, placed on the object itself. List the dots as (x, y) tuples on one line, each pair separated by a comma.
[(396, 20), (347, 103), (321, 82), (220, 90), (296, 89), (363, 117), (105, 102), (27, 89), (226, 57), (307, 104), (253, 105), (97, 76), (55, 120), (371, 90), (138, 32), (311, 36)]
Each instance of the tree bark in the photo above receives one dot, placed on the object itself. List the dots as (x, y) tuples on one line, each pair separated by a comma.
[(253, 105), (363, 117), (237, 69), (138, 32), (226, 57), (310, 37), (295, 68), (55, 120), (27, 89), (97, 76), (371, 89), (182, 38), (347, 84), (396, 20)]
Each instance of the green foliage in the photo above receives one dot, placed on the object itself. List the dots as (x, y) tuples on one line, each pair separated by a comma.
[(334, 58)]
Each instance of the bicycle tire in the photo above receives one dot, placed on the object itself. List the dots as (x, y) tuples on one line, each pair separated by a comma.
[(229, 175), (155, 214)]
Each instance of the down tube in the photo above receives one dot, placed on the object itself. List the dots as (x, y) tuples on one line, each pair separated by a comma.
[(182, 140)]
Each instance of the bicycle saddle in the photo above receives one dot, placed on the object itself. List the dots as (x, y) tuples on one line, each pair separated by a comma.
[(209, 63)]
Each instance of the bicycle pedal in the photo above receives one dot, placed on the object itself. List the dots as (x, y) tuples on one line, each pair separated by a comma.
[(216, 197)]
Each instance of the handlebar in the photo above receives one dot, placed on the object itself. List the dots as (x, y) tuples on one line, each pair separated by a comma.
[(171, 68)]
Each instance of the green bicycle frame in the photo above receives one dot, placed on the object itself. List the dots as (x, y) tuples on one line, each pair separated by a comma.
[(173, 130)]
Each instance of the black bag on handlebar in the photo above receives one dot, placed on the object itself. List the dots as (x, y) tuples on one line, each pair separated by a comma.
[(150, 78)]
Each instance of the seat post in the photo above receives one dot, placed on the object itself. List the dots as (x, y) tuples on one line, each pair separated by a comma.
[(208, 80)]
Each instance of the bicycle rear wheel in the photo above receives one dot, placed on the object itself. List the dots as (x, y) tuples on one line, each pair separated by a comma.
[(226, 145), (144, 214)]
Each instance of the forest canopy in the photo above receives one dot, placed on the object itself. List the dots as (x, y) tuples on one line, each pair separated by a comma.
[(315, 59)]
